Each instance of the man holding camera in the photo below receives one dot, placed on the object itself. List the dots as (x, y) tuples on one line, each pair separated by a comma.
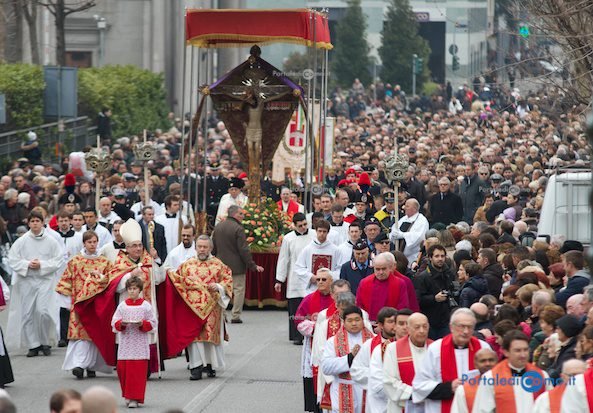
[(434, 287)]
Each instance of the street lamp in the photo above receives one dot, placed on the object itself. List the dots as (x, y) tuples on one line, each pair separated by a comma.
[(101, 26)]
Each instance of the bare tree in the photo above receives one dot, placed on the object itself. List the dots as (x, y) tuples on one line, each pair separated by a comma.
[(60, 10), (11, 21), (29, 8), (570, 24)]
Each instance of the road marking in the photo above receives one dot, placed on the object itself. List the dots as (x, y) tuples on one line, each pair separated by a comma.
[(200, 401)]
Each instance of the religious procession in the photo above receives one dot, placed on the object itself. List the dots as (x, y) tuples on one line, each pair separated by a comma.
[(371, 250)]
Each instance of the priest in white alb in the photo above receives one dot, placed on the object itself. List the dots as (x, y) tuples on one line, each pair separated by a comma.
[(401, 361), (34, 257), (520, 395), (367, 367), (172, 220), (465, 395), (347, 396), (551, 401), (184, 251), (445, 363)]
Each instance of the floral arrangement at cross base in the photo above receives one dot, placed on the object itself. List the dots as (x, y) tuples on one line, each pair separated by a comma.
[(265, 225)]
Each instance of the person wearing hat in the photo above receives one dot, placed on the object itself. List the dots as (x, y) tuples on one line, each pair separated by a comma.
[(233, 197), (130, 182), (382, 243), (216, 187), (35, 258), (360, 208), (573, 262), (372, 229), (358, 267), (568, 328), (30, 148), (386, 215)]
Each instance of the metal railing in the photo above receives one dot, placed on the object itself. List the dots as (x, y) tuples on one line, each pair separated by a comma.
[(76, 135)]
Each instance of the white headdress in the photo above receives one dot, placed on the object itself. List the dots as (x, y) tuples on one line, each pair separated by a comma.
[(130, 231)]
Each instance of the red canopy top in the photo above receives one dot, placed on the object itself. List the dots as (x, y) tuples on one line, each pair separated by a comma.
[(240, 28)]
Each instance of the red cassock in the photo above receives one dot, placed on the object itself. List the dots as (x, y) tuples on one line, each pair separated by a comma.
[(412, 299), (374, 294), (292, 209)]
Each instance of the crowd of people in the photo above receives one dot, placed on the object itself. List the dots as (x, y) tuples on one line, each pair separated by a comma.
[(407, 300)]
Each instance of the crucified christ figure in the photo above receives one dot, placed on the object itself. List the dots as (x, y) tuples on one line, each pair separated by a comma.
[(254, 93)]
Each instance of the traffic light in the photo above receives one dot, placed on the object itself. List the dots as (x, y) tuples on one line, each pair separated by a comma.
[(455, 65), (419, 65)]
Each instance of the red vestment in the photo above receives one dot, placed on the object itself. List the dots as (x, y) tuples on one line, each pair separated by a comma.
[(374, 294), (292, 209)]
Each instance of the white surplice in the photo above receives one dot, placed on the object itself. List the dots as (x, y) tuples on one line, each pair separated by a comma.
[(428, 376), (414, 236), (225, 202), (574, 399), (485, 401), (367, 370), (303, 267), (172, 229), (319, 340), (33, 314), (179, 255), (292, 245), (332, 365), (398, 393)]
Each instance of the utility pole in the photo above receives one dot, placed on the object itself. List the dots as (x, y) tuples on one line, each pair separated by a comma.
[(414, 58)]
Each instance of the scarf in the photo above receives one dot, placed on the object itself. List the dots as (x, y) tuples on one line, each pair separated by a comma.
[(346, 391), (449, 364), (504, 396)]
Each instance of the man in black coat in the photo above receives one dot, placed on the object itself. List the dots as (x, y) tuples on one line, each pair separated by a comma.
[(434, 287), (216, 187), (445, 206), (158, 236), (472, 191), (415, 187), (491, 270), (104, 124)]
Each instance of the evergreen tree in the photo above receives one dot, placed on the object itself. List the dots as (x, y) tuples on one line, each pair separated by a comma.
[(399, 42), (350, 58)]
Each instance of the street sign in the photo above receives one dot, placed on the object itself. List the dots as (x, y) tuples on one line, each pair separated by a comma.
[(61, 92), (453, 49)]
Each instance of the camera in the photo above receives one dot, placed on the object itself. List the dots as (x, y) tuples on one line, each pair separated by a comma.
[(446, 292)]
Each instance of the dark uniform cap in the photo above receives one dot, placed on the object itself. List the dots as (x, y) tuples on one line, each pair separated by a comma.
[(69, 199), (389, 196), (381, 237), (129, 177), (215, 166), (372, 221), (236, 183), (360, 197), (360, 245)]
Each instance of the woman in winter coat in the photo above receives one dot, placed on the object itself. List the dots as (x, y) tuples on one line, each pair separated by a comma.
[(474, 285)]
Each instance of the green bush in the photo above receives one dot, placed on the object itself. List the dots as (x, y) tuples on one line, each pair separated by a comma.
[(136, 97), (429, 88), (23, 86)]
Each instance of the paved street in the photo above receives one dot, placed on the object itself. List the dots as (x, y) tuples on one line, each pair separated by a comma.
[(262, 375)]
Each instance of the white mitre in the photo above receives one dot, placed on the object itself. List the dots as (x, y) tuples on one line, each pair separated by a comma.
[(131, 232)]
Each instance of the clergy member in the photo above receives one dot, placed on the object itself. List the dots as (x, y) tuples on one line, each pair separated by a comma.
[(233, 197), (520, 396), (367, 367), (445, 363), (90, 218), (402, 359), (305, 319), (84, 276), (578, 396), (184, 251), (410, 231), (293, 243), (382, 289), (287, 205), (34, 257), (111, 250), (206, 285), (172, 221), (551, 401), (465, 395), (338, 356), (320, 253)]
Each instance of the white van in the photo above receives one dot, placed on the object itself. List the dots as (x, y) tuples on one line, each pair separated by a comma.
[(566, 209)]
